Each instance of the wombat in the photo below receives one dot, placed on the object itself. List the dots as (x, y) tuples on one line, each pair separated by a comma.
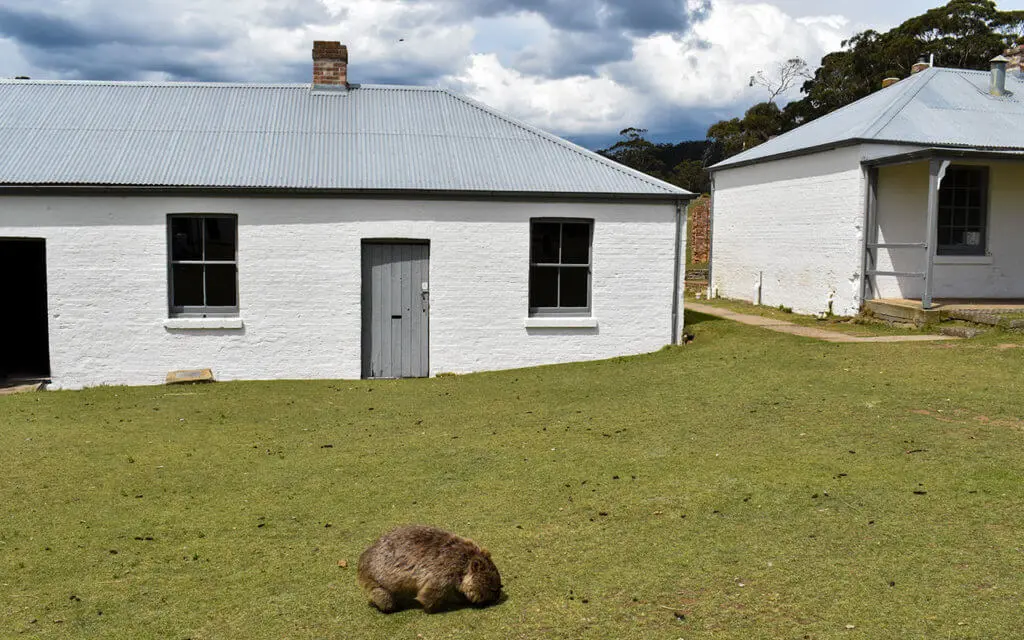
[(432, 566)]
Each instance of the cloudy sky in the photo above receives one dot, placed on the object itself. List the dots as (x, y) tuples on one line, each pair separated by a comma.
[(581, 68)]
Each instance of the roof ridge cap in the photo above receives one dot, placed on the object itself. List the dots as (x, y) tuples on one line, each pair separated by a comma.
[(899, 104), (149, 83), (586, 153), (203, 83)]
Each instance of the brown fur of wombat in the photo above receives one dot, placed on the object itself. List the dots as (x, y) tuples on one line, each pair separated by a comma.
[(431, 566)]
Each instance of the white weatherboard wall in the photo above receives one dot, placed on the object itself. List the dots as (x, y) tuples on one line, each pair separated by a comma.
[(902, 215), (799, 222), (299, 284)]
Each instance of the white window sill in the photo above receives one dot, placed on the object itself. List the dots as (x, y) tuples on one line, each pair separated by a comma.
[(555, 322), (963, 259), (203, 323)]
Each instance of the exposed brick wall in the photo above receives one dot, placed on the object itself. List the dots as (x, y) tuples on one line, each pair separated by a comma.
[(1016, 56), (700, 230), (330, 63)]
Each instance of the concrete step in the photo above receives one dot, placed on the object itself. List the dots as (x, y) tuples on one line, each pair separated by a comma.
[(8, 390), (962, 332), (903, 314), (989, 318)]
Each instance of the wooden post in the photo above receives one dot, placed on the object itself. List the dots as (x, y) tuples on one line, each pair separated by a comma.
[(869, 263), (936, 171), (679, 266)]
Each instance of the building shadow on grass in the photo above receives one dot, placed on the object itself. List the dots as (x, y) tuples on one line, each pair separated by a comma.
[(693, 318)]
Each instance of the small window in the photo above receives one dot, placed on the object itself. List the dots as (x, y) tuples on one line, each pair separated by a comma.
[(203, 270), (963, 212), (560, 267)]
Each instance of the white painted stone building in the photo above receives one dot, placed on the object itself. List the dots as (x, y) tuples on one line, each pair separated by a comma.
[(329, 230), (837, 212)]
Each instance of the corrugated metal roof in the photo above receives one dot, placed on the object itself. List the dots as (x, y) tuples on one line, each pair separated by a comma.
[(288, 136), (936, 107)]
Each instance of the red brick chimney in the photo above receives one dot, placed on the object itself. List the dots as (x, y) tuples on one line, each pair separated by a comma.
[(330, 63), (1016, 56)]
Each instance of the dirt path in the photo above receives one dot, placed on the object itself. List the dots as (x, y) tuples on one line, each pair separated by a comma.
[(808, 332)]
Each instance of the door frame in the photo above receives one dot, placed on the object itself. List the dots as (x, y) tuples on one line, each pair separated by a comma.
[(365, 345), (45, 315)]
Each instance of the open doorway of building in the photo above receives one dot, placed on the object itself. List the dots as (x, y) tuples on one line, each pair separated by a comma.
[(24, 330)]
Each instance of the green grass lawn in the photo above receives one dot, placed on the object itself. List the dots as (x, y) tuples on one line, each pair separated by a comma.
[(748, 485)]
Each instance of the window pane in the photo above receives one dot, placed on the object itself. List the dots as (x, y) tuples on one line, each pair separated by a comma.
[(962, 211), (220, 238), (574, 286), (945, 236), (575, 243), (221, 285), (186, 239), (187, 285), (543, 286), (544, 242)]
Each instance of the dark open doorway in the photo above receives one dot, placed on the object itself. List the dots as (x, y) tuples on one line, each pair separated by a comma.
[(24, 330)]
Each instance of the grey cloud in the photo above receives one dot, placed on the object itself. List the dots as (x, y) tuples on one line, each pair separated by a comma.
[(641, 18), (572, 53), (41, 30), (48, 31), (292, 14), (124, 40), (588, 33), (122, 62), (396, 72)]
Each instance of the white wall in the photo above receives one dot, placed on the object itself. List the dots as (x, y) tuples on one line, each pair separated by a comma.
[(799, 221), (902, 215), (299, 284)]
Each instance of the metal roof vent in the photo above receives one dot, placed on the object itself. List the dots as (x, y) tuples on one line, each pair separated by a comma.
[(997, 84)]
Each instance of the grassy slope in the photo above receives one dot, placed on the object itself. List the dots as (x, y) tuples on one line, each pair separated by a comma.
[(787, 457), (856, 326)]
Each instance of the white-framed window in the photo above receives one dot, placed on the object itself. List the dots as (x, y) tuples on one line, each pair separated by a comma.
[(963, 212), (202, 264), (560, 269)]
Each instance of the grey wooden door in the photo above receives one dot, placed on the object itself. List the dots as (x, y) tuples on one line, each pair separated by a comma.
[(396, 305)]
